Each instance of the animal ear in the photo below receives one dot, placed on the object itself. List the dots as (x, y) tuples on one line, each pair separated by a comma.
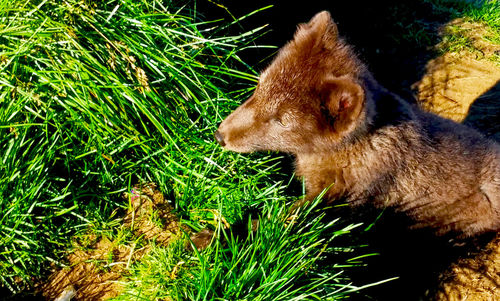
[(343, 100), (320, 30)]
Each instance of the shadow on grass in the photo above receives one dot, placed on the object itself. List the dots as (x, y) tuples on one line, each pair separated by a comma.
[(417, 257)]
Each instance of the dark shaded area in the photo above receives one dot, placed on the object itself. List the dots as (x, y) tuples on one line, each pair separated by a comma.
[(392, 37), (484, 113), (6, 295), (417, 257)]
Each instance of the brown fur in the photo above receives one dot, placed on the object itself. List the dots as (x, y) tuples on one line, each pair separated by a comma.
[(319, 102)]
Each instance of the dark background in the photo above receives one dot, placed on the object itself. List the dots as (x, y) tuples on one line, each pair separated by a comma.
[(394, 38)]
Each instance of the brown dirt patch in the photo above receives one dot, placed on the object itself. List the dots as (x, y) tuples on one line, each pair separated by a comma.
[(454, 82), (151, 217), (474, 278), (93, 273)]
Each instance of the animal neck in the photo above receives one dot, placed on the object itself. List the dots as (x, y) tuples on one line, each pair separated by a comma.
[(336, 170), (351, 168)]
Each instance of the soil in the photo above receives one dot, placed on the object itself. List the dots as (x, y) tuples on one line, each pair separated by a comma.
[(473, 278), (465, 86), (93, 273), (453, 82)]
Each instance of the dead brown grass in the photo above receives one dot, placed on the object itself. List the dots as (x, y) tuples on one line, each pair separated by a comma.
[(453, 82)]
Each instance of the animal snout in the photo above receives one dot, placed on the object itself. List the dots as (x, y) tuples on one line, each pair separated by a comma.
[(220, 138)]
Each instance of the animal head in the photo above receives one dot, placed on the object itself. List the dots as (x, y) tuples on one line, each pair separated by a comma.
[(308, 99)]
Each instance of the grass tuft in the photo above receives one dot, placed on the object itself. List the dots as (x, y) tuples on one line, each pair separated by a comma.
[(95, 97), (285, 258), (457, 38), (98, 96)]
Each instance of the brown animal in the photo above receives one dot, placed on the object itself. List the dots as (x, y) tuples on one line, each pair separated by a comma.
[(319, 102)]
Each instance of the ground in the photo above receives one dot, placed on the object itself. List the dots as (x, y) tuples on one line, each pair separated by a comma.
[(473, 278), (457, 85), (93, 272)]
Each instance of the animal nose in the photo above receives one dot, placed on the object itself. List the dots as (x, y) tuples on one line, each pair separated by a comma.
[(220, 138)]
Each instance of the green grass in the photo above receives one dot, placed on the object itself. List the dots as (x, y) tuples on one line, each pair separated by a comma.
[(98, 96), (480, 10), (281, 260), (486, 12)]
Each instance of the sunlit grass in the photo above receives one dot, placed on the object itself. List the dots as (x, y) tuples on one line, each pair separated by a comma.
[(94, 98), (284, 258), (98, 96), (485, 12)]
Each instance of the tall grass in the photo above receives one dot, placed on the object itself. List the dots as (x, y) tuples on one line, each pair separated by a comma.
[(285, 258), (96, 96)]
